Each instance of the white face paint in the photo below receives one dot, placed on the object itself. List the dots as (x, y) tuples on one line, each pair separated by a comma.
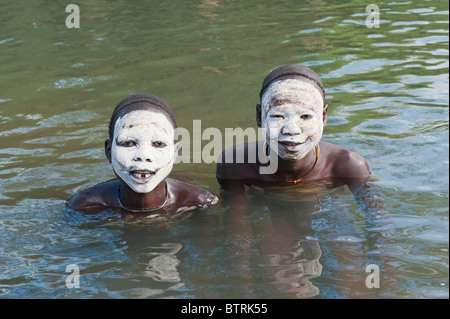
[(292, 117), (143, 150)]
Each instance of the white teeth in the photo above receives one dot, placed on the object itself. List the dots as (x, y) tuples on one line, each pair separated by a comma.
[(141, 175)]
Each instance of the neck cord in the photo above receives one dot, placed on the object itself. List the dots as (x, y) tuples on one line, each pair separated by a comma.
[(317, 151), (143, 210)]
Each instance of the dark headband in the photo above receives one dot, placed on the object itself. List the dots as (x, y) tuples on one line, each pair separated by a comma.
[(141, 101), (293, 70), (141, 98)]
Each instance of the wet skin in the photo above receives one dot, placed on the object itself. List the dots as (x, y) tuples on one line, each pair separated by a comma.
[(142, 154), (339, 164), (336, 166), (182, 198)]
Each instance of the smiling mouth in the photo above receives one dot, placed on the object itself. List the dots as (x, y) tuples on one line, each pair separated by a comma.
[(290, 145), (142, 174)]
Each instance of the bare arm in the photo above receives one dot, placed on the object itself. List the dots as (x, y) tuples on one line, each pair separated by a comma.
[(377, 224), (238, 226), (354, 170)]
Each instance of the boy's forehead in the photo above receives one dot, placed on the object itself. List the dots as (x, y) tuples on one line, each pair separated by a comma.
[(143, 120), (292, 92)]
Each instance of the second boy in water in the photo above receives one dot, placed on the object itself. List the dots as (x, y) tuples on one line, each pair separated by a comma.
[(292, 113)]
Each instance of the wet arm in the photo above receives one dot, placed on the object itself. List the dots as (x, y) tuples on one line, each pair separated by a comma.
[(235, 202), (238, 228), (377, 233), (355, 171), (367, 197)]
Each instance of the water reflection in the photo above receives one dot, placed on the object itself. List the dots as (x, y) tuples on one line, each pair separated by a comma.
[(287, 246), (308, 235), (163, 266), (147, 256), (291, 264), (208, 57)]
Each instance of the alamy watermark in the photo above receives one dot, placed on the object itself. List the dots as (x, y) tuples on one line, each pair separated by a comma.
[(195, 152), (73, 280), (373, 19), (73, 19), (373, 279)]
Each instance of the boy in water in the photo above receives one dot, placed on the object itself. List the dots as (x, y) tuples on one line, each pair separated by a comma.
[(142, 151), (292, 113)]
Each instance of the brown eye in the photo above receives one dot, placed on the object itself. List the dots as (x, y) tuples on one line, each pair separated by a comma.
[(276, 116), (159, 144), (306, 117), (128, 143)]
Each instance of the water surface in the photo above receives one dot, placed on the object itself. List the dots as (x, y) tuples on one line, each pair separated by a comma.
[(387, 89)]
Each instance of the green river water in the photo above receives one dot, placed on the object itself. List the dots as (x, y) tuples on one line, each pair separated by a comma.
[(387, 90)]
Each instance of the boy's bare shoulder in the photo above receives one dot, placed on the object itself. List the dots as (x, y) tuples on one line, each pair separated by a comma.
[(188, 195), (239, 162), (346, 163), (94, 197)]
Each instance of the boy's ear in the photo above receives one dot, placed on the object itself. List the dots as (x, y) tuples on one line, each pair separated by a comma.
[(258, 115), (325, 114), (108, 149)]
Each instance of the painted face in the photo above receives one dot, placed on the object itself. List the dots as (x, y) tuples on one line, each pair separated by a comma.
[(143, 149), (292, 117)]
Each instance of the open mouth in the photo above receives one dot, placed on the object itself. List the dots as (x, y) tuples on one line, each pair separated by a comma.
[(142, 175), (290, 145)]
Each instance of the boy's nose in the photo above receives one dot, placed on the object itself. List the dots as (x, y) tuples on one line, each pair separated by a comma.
[(143, 155), (142, 159), (291, 128)]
